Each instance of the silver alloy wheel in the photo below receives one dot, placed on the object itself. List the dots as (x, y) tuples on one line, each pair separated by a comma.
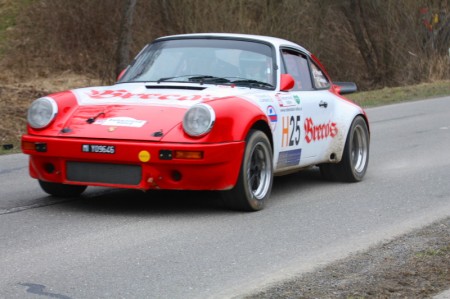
[(355, 157), (359, 149), (258, 171), (254, 184)]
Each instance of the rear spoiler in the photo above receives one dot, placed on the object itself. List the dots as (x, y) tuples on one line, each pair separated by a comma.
[(345, 87)]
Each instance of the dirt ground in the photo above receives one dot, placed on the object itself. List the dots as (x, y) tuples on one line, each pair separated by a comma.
[(13, 106), (416, 265)]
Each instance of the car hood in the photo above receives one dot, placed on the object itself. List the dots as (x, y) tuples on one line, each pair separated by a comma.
[(138, 111)]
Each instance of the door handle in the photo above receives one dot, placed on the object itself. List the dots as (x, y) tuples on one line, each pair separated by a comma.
[(323, 104)]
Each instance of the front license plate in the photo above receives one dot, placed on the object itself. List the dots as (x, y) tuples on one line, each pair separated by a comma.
[(98, 149)]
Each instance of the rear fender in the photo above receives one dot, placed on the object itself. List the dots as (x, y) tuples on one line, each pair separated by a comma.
[(338, 143)]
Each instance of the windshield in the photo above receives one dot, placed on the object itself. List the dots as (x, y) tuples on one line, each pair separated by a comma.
[(215, 61)]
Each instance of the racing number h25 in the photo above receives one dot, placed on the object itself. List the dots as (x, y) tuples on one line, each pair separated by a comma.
[(291, 131)]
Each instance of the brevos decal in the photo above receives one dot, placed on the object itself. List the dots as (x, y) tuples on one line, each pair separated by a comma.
[(125, 94), (318, 132)]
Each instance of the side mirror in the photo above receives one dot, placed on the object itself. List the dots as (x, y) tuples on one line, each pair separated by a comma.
[(286, 82), (345, 87)]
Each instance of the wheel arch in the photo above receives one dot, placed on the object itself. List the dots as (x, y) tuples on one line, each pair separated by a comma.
[(366, 119), (235, 118), (341, 145), (263, 126)]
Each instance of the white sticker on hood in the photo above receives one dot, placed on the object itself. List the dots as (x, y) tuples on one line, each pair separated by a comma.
[(121, 122)]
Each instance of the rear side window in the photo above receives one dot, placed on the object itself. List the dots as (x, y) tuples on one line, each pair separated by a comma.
[(319, 78), (296, 65)]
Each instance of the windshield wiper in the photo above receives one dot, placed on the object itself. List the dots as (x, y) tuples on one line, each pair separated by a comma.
[(252, 83), (208, 79), (170, 78)]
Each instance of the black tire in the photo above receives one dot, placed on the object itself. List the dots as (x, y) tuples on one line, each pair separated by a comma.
[(355, 158), (62, 190), (255, 180)]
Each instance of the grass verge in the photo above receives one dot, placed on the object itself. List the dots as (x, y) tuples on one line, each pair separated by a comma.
[(394, 95)]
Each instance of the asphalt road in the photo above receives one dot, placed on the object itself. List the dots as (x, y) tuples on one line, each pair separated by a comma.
[(130, 244)]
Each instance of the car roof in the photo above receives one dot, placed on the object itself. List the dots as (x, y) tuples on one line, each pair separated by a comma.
[(277, 42)]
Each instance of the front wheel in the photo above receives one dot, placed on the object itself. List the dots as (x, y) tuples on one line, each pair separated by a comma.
[(62, 190), (355, 158), (255, 176)]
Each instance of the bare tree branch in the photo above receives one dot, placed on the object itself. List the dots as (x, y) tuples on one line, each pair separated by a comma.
[(125, 35)]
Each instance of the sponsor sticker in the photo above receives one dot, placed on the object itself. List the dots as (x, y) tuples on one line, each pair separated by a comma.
[(144, 156), (264, 98), (273, 117), (285, 100), (121, 122), (125, 94), (98, 149), (314, 132), (289, 158)]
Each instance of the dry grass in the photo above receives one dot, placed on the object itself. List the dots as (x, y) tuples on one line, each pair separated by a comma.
[(16, 97), (83, 35), (393, 95)]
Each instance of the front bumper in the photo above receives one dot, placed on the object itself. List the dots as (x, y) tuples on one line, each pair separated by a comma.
[(136, 165)]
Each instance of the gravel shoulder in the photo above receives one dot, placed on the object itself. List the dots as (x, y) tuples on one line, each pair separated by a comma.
[(415, 265)]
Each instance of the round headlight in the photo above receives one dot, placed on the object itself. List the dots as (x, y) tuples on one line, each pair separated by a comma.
[(41, 113), (199, 120)]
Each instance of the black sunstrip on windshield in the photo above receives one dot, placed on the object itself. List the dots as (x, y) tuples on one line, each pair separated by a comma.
[(205, 61)]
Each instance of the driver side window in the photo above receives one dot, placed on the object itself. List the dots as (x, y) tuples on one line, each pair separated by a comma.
[(296, 65)]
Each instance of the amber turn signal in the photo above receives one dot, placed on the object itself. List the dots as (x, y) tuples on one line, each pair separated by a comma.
[(188, 154)]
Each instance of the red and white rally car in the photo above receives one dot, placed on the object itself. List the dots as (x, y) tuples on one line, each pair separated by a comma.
[(201, 112)]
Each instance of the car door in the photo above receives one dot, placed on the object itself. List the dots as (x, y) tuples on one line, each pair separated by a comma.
[(311, 90)]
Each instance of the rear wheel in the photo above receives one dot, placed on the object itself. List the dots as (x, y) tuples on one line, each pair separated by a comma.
[(62, 190), (355, 158), (255, 176)]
